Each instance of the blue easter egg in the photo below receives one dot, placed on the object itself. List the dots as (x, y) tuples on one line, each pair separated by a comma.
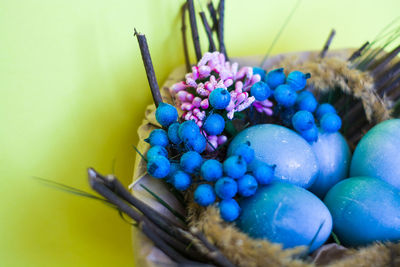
[(378, 153), (286, 214), (278, 146), (364, 210), (334, 156)]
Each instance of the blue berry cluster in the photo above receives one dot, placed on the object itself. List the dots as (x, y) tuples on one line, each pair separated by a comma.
[(183, 138), (232, 178), (304, 120), (296, 107), (277, 84), (220, 182)]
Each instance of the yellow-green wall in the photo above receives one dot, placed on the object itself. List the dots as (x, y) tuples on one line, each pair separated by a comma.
[(73, 91)]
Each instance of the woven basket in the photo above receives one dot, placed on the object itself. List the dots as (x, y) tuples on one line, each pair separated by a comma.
[(329, 75)]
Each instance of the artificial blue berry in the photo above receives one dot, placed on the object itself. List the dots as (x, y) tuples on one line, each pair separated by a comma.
[(156, 151), (247, 185), (331, 122), (260, 91), (173, 134), (188, 130), (235, 166), (211, 170), (245, 151), (259, 71), (310, 135), (226, 188), (303, 120), (204, 195), (297, 80), (158, 167), (229, 210), (285, 95), (197, 144), (275, 78), (191, 162), (181, 180), (214, 124), (306, 101), (166, 114), (263, 173), (219, 98), (324, 109), (158, 137), (174, 167)]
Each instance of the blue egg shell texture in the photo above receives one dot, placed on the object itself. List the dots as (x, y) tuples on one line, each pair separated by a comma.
[(364, 210), (286, 214), (273, 144), (378, 153), (334, 156)]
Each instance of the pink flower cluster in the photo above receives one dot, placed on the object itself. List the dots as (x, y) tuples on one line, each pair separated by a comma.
[(212, 72)]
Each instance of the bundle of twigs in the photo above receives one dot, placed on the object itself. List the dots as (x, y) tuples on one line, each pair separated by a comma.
[(186, 246)]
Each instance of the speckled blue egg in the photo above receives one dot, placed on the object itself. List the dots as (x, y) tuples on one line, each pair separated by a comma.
[(273, 144), (378, 153), (286, 214), (334, 156), (364, 210)]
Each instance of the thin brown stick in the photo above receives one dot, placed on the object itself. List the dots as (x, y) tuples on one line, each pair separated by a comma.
[(158, 242), (113, 184), (147, 227), (193, 26), (327, 44), (385, 77), (184, 37), (211, 43), (148, 65), (358, 52), (151, 221), (390, 90), (213, 14), (356, 111), (377, 68), (180, 247), (221, 13), (356, 125)]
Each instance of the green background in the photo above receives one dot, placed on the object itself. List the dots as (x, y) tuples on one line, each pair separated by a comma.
[(73, 91)]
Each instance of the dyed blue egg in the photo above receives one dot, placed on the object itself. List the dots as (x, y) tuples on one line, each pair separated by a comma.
[(273, 144), (333, 155), (364, 210), (286, 214), (378, 153)]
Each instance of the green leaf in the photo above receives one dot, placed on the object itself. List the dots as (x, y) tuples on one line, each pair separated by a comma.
[(165, 204)]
